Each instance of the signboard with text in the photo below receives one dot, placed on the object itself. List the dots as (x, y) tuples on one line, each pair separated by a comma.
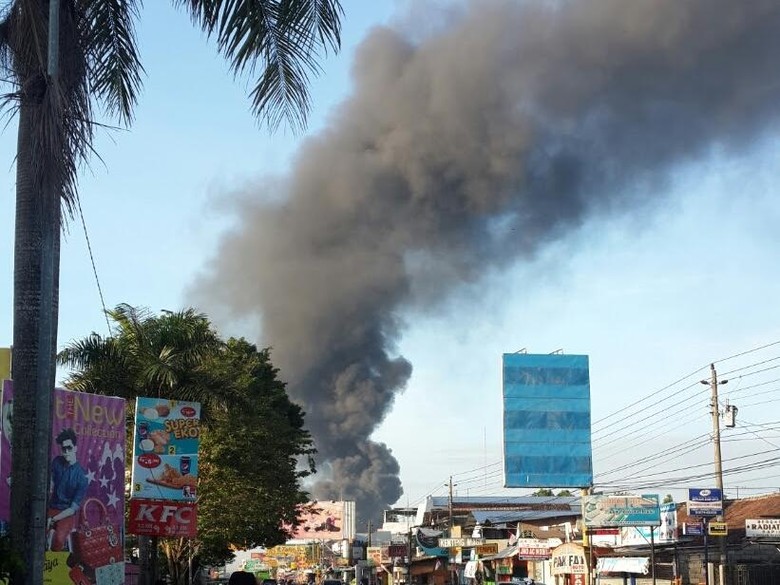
[(569, 559), (604, 510), (533, 549), (163, 518), (462, 542), (705, 502), (717, 529), (763, 528)]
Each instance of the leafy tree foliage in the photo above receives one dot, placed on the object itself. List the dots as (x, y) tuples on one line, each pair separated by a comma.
[(250, 457), (543, 492)]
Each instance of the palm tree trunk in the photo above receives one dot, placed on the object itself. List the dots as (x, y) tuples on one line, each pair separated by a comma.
[(36, 288)]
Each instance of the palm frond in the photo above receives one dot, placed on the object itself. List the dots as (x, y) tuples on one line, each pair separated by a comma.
[(281, 38), (116, 69)]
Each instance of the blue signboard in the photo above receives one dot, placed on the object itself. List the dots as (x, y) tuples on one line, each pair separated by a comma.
[(547, 434), (705, 502)]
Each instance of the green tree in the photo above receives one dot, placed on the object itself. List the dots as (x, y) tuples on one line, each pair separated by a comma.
[(547, 492), (56, 89), (251, 486), (668, 499)]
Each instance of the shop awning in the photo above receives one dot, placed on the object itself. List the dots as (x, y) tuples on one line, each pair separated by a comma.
[(639, 565)]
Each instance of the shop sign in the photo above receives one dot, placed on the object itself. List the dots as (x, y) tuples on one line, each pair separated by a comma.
[(485, 550), (569, 559), (397, 550), (717, 529), (532, 549), (462, 542), (693, 529), (763, 527)]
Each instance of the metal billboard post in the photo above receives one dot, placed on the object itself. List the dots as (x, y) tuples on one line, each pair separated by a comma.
[(706, 554)]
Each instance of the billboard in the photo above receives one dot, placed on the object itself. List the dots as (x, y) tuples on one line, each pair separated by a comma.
[(328, 520), (641, 535), (601, 510), (165, 449), (547, 427)]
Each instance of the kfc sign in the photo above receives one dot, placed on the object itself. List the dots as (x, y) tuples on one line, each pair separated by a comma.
[(163, 518)]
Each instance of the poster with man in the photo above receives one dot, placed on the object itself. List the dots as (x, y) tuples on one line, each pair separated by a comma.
[(85, 503), (85, 507)]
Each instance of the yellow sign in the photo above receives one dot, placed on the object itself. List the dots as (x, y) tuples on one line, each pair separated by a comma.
[(485, 550), (717, 528)]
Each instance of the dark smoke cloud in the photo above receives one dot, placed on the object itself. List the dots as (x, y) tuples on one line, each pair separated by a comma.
[(458, 152)]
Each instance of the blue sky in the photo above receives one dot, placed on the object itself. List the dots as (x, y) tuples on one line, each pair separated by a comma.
[(651, 295)]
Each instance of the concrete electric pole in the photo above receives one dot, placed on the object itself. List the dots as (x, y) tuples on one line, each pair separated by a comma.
[(715, 411)]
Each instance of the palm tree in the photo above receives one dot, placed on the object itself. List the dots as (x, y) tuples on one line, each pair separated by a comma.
[(64, 59)]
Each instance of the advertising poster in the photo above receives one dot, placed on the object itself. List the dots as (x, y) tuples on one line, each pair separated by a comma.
[(165, 449), (322, 521), (85, 509), (85, 505)]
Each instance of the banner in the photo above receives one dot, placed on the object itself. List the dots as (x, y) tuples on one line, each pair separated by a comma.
[(163, 518), (165, 449)]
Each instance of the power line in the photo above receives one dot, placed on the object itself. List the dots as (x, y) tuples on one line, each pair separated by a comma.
[(94, 267)]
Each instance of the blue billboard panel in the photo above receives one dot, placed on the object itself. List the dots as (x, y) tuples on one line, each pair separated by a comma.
[(547, 421), (706, 502)]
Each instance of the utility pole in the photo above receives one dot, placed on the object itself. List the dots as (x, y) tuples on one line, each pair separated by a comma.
[(450, 508), (715, 411)]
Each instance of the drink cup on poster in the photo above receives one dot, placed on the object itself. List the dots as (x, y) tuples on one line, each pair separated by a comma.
[(184, 465)]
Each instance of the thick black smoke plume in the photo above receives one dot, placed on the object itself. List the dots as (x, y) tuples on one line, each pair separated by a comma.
[(460, 148)]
